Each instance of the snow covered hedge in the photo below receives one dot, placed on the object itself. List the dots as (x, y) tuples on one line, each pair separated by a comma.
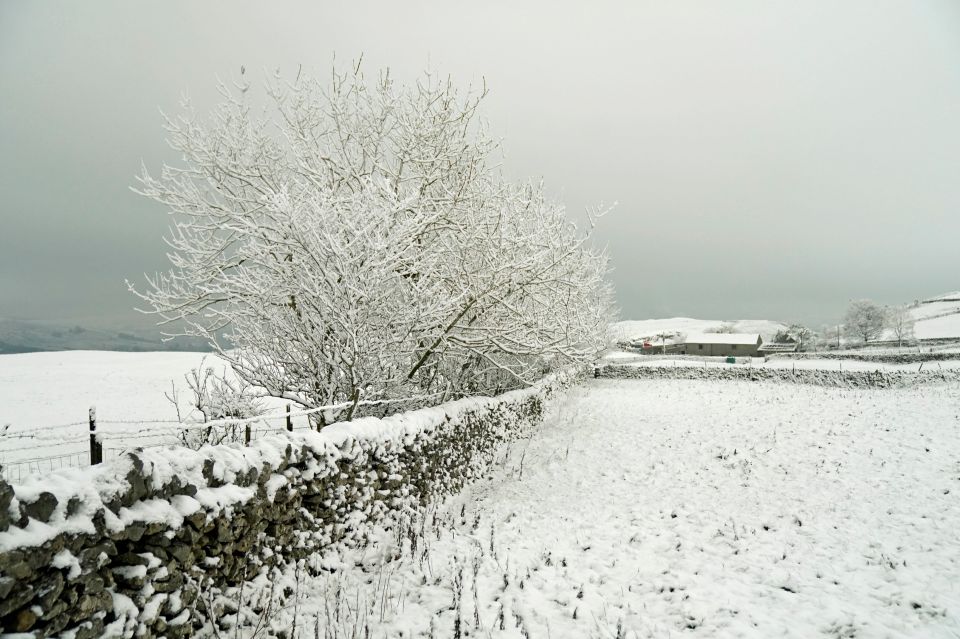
[(128, 548), (843, 379)]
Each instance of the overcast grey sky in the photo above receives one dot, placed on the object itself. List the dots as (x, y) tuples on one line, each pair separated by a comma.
[(770, 159)]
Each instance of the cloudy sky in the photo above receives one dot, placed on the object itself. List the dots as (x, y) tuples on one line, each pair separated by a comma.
[(769, 159)]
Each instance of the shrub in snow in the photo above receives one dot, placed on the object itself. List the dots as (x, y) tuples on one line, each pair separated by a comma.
[(359, 242), (215, 398)]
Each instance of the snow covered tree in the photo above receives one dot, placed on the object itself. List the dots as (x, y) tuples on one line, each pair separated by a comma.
[(801, 334), (901, 323), (783, 336), (356, 240), (726, 327), (864, 320)]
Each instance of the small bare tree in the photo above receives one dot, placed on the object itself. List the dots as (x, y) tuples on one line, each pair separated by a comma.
[(864, 320), (214, 397), (901, 322)]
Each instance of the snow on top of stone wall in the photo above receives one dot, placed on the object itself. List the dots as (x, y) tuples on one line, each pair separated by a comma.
[(68, 500)]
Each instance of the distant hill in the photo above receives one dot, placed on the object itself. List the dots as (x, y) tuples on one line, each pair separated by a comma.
[(634, 330), (31, 336)]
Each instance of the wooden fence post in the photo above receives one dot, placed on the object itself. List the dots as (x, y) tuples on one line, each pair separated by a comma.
[(246, 434), (96, 448), (289, 420)]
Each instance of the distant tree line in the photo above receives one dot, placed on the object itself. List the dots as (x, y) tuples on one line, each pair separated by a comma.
[(864, 322)]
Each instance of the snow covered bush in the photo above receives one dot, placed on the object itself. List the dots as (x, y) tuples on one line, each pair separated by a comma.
[(215, 398), (357, 241)]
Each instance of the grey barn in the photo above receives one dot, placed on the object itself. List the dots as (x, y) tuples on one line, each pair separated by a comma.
[(723, 344)]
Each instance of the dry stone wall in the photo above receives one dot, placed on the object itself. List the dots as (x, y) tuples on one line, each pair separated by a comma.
[(126, 548), (881, 358), (842, 379)]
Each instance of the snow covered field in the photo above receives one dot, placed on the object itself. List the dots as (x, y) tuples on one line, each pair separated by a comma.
[(939, 327), (51, 388), (638, 509), (44, 397), (667, 508)]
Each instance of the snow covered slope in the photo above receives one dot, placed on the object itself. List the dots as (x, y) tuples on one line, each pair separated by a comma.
[(646, 329), (937, 317)]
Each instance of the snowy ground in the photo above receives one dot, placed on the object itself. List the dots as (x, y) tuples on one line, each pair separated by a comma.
[(673, 508)]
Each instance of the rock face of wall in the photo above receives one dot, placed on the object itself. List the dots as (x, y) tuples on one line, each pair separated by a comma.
[(126, 548), (881, 358), (843, 379)]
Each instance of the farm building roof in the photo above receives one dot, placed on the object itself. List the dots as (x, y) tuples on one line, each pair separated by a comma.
[(723, 338), (778, 347)]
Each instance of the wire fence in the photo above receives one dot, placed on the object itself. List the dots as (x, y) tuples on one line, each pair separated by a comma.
[(91, 442)]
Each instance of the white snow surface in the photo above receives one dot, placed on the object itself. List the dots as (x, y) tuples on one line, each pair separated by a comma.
[(669, 507)]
